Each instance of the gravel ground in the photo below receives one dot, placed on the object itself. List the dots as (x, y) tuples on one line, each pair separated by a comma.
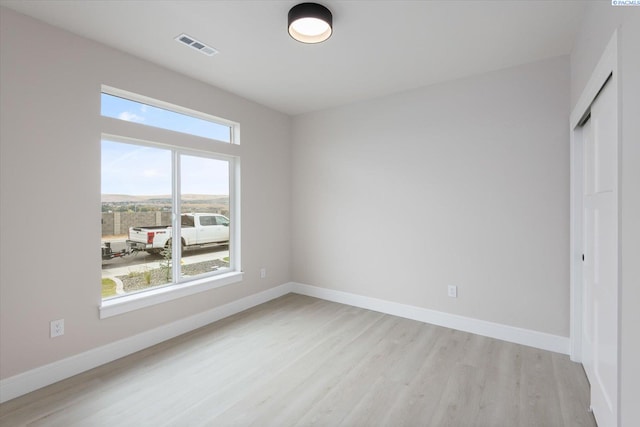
[(137, 281)]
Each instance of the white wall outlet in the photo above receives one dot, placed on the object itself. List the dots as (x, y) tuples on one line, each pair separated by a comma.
[(453, 291), (263, 273), (57, 328)]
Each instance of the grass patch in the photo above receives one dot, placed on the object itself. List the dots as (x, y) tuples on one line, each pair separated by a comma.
[(108, 288)]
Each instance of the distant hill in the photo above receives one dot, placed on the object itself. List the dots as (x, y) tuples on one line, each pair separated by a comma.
[(126, 198)]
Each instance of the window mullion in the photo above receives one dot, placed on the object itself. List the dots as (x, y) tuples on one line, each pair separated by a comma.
[(234, 234), (176, 249)]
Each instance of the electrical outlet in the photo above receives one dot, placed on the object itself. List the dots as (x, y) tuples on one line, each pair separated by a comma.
[(263, 273), (57, 328), (453, 291)]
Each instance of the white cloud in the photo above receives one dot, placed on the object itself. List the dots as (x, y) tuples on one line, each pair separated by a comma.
[(130, 117), (151, 173)]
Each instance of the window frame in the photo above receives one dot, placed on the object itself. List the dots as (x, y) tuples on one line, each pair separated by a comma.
[(234, 127), (184, 144)]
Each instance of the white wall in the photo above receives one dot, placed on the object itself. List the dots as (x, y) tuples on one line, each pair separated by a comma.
[(50, 166), (461, 183), (600, 20)]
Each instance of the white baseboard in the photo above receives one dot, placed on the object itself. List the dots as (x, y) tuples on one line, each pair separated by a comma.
[(541, 340), (42, 376)]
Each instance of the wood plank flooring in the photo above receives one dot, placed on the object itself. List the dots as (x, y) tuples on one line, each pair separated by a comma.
[(302, 361)]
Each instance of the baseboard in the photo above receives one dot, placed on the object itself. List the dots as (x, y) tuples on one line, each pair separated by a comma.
[(42, 376), (541, 340)]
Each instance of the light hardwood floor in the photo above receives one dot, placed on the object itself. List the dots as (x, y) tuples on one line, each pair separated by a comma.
[(303, 361)]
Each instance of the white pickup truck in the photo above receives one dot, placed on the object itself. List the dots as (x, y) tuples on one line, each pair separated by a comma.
[(197, 230)]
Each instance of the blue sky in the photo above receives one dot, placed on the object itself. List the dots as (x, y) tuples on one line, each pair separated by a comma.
[(132, 111), (138, 170)]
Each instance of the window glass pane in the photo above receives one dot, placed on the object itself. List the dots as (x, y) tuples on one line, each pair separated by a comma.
[(133, 111), (204, 190), (136, 213)]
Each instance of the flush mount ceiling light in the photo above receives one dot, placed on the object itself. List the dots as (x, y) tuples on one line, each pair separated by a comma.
[(310, 23)]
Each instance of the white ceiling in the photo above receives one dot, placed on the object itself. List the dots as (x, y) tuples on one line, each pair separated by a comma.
[(377, 47)]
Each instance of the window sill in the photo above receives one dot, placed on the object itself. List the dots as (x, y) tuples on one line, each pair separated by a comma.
[(125, 304)]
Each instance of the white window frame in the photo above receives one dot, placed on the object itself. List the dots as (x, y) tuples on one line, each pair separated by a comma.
[(235, 127), (179, 144)]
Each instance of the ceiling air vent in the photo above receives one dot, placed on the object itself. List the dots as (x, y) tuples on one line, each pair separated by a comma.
[(195, 44)]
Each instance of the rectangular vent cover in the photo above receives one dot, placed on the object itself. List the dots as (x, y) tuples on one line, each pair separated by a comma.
[(195, 44)]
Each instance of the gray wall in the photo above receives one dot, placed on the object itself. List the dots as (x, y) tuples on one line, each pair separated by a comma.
[(50, 162), (463, 183)]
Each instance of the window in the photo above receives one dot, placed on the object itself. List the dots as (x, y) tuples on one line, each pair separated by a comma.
[(208, 220), (187, 221), (139, 112), (162, 203)]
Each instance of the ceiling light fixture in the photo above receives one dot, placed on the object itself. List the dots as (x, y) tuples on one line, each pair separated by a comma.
[(310, 23)]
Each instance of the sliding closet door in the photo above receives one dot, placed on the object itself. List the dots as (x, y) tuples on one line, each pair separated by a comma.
[(600, 269)]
